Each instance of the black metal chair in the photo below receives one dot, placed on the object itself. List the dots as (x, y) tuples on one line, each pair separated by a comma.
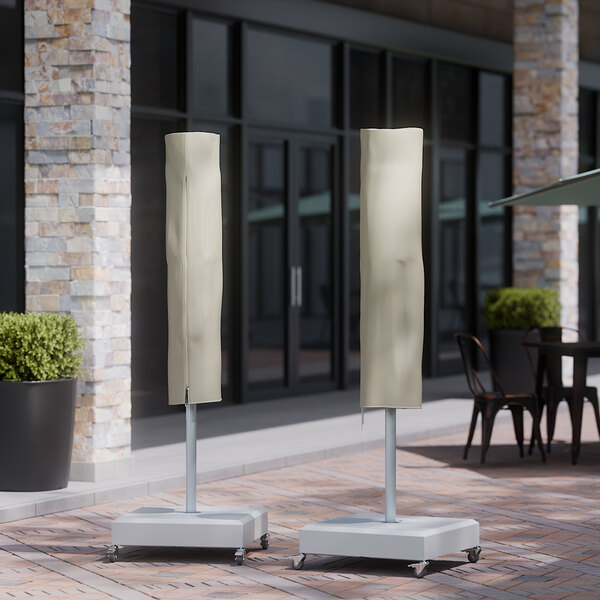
[(488, 403), (554, 391)]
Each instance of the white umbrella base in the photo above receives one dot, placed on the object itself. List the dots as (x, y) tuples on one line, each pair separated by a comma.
[(412, 538), (209, 527)]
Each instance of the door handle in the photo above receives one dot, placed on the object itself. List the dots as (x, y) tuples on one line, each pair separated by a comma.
[(299, 287), (293, 286)]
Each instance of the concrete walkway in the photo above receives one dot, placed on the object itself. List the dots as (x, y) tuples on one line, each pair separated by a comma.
[(240, 439)]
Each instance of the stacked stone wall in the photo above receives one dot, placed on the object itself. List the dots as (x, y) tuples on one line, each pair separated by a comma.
[(545, 145), (78, 201)]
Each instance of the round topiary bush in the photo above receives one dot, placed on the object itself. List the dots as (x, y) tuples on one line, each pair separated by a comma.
[(516, 308), (39, 347)]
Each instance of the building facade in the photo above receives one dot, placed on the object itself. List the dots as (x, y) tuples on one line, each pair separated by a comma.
[(88, 89)]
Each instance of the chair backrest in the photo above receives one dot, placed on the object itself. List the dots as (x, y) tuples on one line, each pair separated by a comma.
[(470, 347), (553, 362)]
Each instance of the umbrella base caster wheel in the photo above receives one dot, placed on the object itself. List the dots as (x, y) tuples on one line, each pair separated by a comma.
[(239, 556), (264, 541), (112, 553), (473, 554), (298, 561), (419, 568)]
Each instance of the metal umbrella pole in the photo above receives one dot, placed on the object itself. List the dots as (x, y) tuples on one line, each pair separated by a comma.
[(390, 465), (190, 455)]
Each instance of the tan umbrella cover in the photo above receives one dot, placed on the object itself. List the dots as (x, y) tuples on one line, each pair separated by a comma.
[(391, 268), (194, 266)]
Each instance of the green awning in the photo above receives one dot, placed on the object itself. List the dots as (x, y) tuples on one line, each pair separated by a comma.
[(582, 189)]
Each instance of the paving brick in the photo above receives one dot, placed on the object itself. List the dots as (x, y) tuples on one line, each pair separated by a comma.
[(531, 516)]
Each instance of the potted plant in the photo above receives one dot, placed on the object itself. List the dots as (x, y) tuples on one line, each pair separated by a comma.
[(39, 363), (509, 313)]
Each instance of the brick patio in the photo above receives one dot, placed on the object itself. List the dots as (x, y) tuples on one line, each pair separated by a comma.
[(540, 529)]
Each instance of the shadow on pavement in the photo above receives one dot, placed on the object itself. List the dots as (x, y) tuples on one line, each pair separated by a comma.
[(502, 456)]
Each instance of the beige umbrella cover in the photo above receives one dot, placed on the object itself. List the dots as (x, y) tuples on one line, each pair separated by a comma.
[(194, 266), (391, 268)]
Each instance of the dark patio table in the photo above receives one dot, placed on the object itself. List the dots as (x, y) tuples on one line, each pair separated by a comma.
[(580, 351)]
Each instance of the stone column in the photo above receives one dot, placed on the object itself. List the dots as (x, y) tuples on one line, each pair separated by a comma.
[(545, 145), (77, 206)]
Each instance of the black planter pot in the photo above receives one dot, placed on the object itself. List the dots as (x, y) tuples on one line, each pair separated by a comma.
[(36, 434), (509, 359)]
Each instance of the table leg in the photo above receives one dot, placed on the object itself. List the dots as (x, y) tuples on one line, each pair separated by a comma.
[(539, 375), (539, 384), (579, 381)]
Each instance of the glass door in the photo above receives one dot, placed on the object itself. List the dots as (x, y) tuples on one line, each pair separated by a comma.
[(314, 261), (290, 263), (267, 257)]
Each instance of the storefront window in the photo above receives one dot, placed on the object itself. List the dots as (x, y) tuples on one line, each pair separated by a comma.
[(11, 45), (410, 93), (493, 124), (11, 214), (457, 107), (366, 89), (149, 265), (589, 223), (211, 67), (291, 79), (455, 195), (11, 156), (289, 107), (267, 251), (155, 59)]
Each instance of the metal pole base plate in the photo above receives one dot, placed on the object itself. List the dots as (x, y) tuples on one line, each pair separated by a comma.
[(210, 527), (411, 538)]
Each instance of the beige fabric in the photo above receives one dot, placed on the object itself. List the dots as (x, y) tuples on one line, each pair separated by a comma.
[(391, 268), (194, 266)]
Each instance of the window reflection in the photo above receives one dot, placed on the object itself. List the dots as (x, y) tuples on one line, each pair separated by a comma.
[(410, 93), (452, 214), (492, 109), (11, 194), (366, 89), (586, 279), (291, 79), (11, 158), (587, 123), (589, 230), (149, 266), (211, 67), (267, 264), (315, 251), (455, 98), (11, 39), (154, 52), (492, 175)]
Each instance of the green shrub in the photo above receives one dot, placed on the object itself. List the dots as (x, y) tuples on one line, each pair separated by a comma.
[(515, 308), (38, 347)]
